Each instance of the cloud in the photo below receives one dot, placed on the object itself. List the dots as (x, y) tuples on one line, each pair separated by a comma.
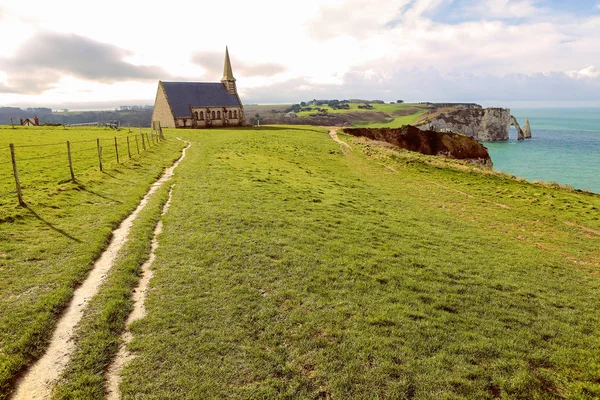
[(589, 72), (356, 18), (507, 8), (42, 60), (429, 84), (212, 63)]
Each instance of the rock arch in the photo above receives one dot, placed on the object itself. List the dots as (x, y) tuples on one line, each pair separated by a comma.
[(513, 122)]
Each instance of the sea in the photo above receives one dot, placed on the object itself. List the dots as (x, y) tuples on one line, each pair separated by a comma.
[(565, 147)]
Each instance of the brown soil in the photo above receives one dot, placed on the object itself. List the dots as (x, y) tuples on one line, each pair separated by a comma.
[(343, 145), (40, 378), (408, 137)]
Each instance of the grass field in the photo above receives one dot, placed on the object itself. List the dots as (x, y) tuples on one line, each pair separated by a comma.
[(396, 122), (287, 269), (48, 247), (386, 108)]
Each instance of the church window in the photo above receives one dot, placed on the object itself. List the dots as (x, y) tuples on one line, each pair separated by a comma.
[(235, 114), (229, 113), (218, 114), (213, 115), (196, 115), (201, 115)]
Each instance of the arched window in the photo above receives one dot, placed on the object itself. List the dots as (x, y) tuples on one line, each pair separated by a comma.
[(230, 113), (196, 115), (213, 115), (201, 115), (235, 114), (218, 114)]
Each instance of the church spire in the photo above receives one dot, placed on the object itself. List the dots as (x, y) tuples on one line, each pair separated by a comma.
[(227, 71), (228, 80)]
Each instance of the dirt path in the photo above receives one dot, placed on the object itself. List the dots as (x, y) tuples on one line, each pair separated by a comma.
[(123, 356), (343, 145), (38, 381)]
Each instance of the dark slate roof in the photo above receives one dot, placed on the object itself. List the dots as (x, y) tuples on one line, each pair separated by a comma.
[(198, 94)]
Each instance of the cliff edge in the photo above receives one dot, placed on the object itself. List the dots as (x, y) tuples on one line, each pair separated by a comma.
[(448, 144), (483, 124)]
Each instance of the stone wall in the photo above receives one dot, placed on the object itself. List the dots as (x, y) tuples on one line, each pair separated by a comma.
[(162, 111)]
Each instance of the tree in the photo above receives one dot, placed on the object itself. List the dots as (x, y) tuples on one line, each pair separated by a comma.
[(399, 101)]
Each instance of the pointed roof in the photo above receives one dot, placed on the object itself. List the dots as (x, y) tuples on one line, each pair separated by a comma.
[(227, 71)]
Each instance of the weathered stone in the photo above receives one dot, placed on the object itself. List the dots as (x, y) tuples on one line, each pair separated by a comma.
[(489, 124), (513, 122), (527, 129)]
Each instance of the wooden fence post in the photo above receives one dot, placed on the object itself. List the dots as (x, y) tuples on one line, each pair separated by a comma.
[(143, 142), (70, 161), (116, 150), (16, 174), (128, 147), (148, 140), (99, 153), (137, 146)]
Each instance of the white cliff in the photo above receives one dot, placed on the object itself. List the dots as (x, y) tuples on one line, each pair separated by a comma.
[(527, 129), (483, 124)]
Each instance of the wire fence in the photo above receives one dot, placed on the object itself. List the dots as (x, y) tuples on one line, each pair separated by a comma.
[(26, 167)]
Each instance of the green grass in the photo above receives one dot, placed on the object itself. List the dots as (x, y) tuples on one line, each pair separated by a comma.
[(387, 108), (396, 122), (287, 269), (103, 322), (48, 247)]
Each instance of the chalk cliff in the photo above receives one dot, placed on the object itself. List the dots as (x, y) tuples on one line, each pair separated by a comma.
[(527, 129), (483, 124), (451, 145)]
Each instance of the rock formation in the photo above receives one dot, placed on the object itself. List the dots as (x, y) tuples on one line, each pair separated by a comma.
[(452, 145), (513, 122), (527, 129), (483, 124)]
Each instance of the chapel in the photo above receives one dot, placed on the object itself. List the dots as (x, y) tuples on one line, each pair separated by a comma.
[(199, 104)]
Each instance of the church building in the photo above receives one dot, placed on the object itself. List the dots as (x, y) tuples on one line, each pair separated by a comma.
[(199, 104)]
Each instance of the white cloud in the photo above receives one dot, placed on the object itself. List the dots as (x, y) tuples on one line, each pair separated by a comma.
[(507, 8), (319, 45), (589, 72)]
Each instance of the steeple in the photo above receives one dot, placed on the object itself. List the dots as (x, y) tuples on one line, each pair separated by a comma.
[(228, 79)]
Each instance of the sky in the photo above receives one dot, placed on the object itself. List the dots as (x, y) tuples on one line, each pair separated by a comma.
[(79, 54)]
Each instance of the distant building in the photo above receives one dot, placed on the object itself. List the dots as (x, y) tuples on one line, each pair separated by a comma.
[(30, 122), (199, 104)]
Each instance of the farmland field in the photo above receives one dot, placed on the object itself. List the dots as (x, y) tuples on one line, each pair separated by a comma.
[(287, 269), (49, 246)]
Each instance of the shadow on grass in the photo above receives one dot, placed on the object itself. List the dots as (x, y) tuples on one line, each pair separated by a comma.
[(54, 228), (82, 187)]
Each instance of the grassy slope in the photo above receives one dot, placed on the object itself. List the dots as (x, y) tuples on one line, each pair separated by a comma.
[(391, 109), (387, 108), (46, 249), (396, 122), (288, 270)]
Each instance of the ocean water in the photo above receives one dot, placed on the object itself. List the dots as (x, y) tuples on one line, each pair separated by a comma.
[(565, 147)]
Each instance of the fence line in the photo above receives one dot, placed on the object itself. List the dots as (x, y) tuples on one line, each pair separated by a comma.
[(70, 162)]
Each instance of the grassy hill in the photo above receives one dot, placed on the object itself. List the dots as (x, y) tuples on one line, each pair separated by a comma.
[(290, 269), (379, 116)]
